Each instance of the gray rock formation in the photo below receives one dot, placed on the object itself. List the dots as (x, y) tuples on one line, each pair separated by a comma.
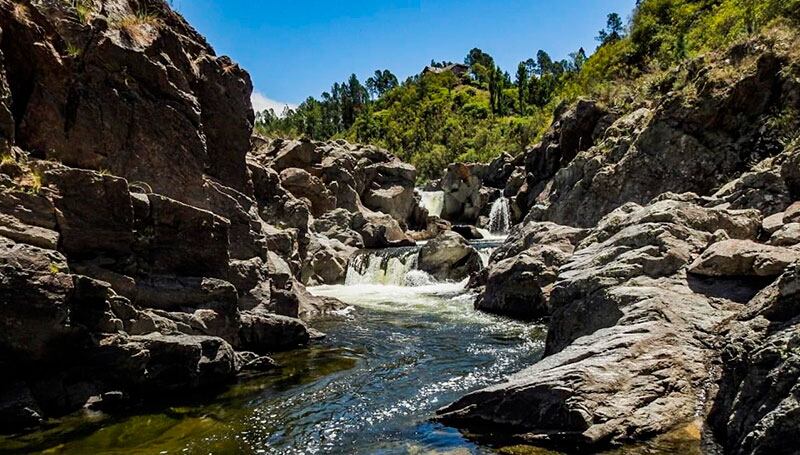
[(449, 257), (629, 338)]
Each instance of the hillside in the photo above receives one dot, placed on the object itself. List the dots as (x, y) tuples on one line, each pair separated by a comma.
[(436, 118)]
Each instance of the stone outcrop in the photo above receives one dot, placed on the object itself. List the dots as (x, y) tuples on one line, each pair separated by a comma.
[(523, 270), (449, 257), (629, 337), (755, 410), (711, 139)]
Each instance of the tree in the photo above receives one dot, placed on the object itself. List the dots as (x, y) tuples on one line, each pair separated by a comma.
[(612, 32), (481, 64), (522, 84), (544, 63), (381, 82), (578, 59)]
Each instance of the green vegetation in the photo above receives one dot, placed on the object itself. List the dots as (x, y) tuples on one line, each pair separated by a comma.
[(84, 9), (444, 115), (73, 50)]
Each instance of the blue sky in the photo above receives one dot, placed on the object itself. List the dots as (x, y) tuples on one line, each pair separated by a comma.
[(296, 49)]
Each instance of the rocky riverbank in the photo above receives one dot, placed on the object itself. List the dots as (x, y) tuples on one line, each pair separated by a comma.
[(660, 243), (149, 246), (152, 247)]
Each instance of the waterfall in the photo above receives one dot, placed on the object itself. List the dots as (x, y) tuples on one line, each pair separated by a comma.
[(500, 217), (391, 266), (433, 201)]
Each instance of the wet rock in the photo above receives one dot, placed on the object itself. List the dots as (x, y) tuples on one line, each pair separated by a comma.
[(467, 231), (157, 363), (250, 361), (263, 332), (449, 257)]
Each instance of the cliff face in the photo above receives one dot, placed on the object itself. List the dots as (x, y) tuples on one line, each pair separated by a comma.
[(147, 246), (129, 87), (660, 242)]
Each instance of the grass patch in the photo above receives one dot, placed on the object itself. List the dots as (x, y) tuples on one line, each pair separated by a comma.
[(74, 51), (136, 26)]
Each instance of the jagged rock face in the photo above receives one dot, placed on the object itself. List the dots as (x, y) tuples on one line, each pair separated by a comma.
[(684, 142), (629, 340), (144, 260), (756, 410), (332, 175), (92, 95)]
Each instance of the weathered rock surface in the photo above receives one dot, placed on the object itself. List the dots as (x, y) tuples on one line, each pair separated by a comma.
[(629, 339), (449, 257), (755, 410), (679, 143), (743, 258), (141, 243)]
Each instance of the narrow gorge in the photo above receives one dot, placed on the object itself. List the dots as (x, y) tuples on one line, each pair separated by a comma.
[(173, 280)]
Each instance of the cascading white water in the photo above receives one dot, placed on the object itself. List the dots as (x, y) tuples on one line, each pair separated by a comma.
[(500, 217), (390, 267), (433, 201)]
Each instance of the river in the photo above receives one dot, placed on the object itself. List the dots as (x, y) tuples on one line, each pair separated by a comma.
[(404, 347), (398, 353)]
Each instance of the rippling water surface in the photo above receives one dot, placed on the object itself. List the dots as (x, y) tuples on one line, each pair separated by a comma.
[(371, 386)]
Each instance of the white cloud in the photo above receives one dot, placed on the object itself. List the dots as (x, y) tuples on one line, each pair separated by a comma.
[(261, 103)]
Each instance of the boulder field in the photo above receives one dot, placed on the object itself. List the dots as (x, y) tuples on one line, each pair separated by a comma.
[(659, 243)]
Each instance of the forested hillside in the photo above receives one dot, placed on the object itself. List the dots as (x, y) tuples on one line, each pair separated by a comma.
[(441, 116)]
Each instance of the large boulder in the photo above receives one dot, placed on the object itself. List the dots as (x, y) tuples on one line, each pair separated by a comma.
[(462, 193), (327, 261), (519, 287), (263, 332), (449, 257), (743, 258), (305, 186)]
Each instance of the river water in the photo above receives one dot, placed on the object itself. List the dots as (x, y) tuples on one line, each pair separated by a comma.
[(405, 347), (398, 353)]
